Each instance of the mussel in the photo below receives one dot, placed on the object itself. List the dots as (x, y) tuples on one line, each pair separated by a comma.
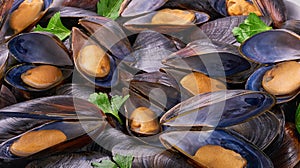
[(151, 94), (56, 123), (216, 59), (97, 59), (201, 120), (274, 9), (283, 54), (44, 63), (23, 15), (166, 21)]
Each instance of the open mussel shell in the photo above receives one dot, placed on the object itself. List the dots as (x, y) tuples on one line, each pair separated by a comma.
[(110, 35), (145, 23), (32, 50), (252, 132), (7, 31), (79, 42), (192, 83), (74, 117), (41, 110), (212, 58), (274, 9), (218, 109), (254, 82), (188, 142), (72, 130), (272, 46), (13, 77)]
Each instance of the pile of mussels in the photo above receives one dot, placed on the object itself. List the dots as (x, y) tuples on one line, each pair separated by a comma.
[(190, 84)]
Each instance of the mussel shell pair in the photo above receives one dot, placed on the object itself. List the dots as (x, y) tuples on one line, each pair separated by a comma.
[(34, 49), (76, 118), (269, 48), (215, 111), (274, 9), (106, 34), (6, 31), (144, 23), (215, 59), (156, 91)]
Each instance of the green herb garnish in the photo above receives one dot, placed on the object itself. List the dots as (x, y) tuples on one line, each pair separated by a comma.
[(105, 164), (55, 27), (112, 106), (297, 119), (251, 26), (109, 8), (119, 161)]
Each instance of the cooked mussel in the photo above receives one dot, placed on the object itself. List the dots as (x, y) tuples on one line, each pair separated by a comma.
[(23, 15), (195, 123), (274, 9), (276, 79), (144, 121), (97, 53), (218, 60), (92, 61), (55, 122), (166, 20), (151, 94), (44, 63), (188, 143)]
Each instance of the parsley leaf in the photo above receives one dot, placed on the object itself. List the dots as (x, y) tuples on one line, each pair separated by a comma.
[(251, 26), (55, 27), (297, 119), (123, 161), (111, 107), (119, 161), (109, 8), (104, 164)]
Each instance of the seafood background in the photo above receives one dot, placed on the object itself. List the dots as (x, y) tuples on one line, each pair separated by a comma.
[(190, 83)]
